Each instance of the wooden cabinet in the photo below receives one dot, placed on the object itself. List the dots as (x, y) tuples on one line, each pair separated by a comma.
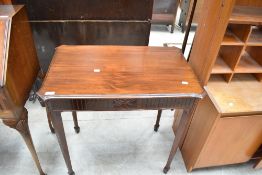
[(228, 137), (226, 56), (164, 12), (18, 70), (226, 127)]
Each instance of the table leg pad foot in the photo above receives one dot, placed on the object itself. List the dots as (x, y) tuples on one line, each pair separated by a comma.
[(77, 129), (72, 173), (52, 131), (156, 128), (166, 169)]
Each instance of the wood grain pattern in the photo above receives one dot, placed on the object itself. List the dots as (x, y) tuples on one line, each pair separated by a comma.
[(49, 35), (241, 137), (206, 114), (88, 9), (237, 98), (257, 3), (21, 37), (121, 70), (246, 15)]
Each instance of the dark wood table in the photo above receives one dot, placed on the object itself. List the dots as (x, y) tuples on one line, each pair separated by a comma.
[(119, 78)]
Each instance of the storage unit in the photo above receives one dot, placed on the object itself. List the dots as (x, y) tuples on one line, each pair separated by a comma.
[(226, 128), (227, 58)]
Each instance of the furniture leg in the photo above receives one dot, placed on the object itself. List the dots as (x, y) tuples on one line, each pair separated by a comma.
[(21, 125), (157, 120), (49, 121), (172, 28), (76, 127), (60, 134), (180, 135)]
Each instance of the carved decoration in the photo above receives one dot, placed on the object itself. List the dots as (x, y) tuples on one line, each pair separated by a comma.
[(124, 103)]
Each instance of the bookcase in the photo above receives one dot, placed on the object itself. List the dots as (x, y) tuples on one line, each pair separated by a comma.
[(241, 48)]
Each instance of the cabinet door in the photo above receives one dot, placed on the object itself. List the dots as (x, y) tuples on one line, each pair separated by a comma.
[(233, 140)]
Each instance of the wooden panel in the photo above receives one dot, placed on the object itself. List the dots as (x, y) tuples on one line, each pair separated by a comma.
[(207, 40), (221, 67), (233, 140), (123, 70), (88, 9), (231, 39), (204, 118), (249, 2), (248, 64), (49, 35), (22, 47), (246, 15), (256, 54), (237, 98), (231, 55)]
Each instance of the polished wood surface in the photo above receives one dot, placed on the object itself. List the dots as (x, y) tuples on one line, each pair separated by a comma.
[(19, 69), (237, 97), (121, 70), (21, 37)]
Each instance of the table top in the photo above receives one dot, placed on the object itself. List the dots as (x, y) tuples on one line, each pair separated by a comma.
[(119, 71), (243, 96)]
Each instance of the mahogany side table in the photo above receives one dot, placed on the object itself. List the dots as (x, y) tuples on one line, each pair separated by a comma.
[(119, 78)]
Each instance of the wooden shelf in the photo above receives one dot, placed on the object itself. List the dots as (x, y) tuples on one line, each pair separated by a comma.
[(248, 65), (246, 15), (255, 38), (231, 39), (221, 67)]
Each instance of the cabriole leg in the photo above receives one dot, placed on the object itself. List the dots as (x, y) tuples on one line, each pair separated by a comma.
[(21, 126)]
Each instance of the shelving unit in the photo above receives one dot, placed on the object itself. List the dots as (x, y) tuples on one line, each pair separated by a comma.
[(241, 48), (227, 58)]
